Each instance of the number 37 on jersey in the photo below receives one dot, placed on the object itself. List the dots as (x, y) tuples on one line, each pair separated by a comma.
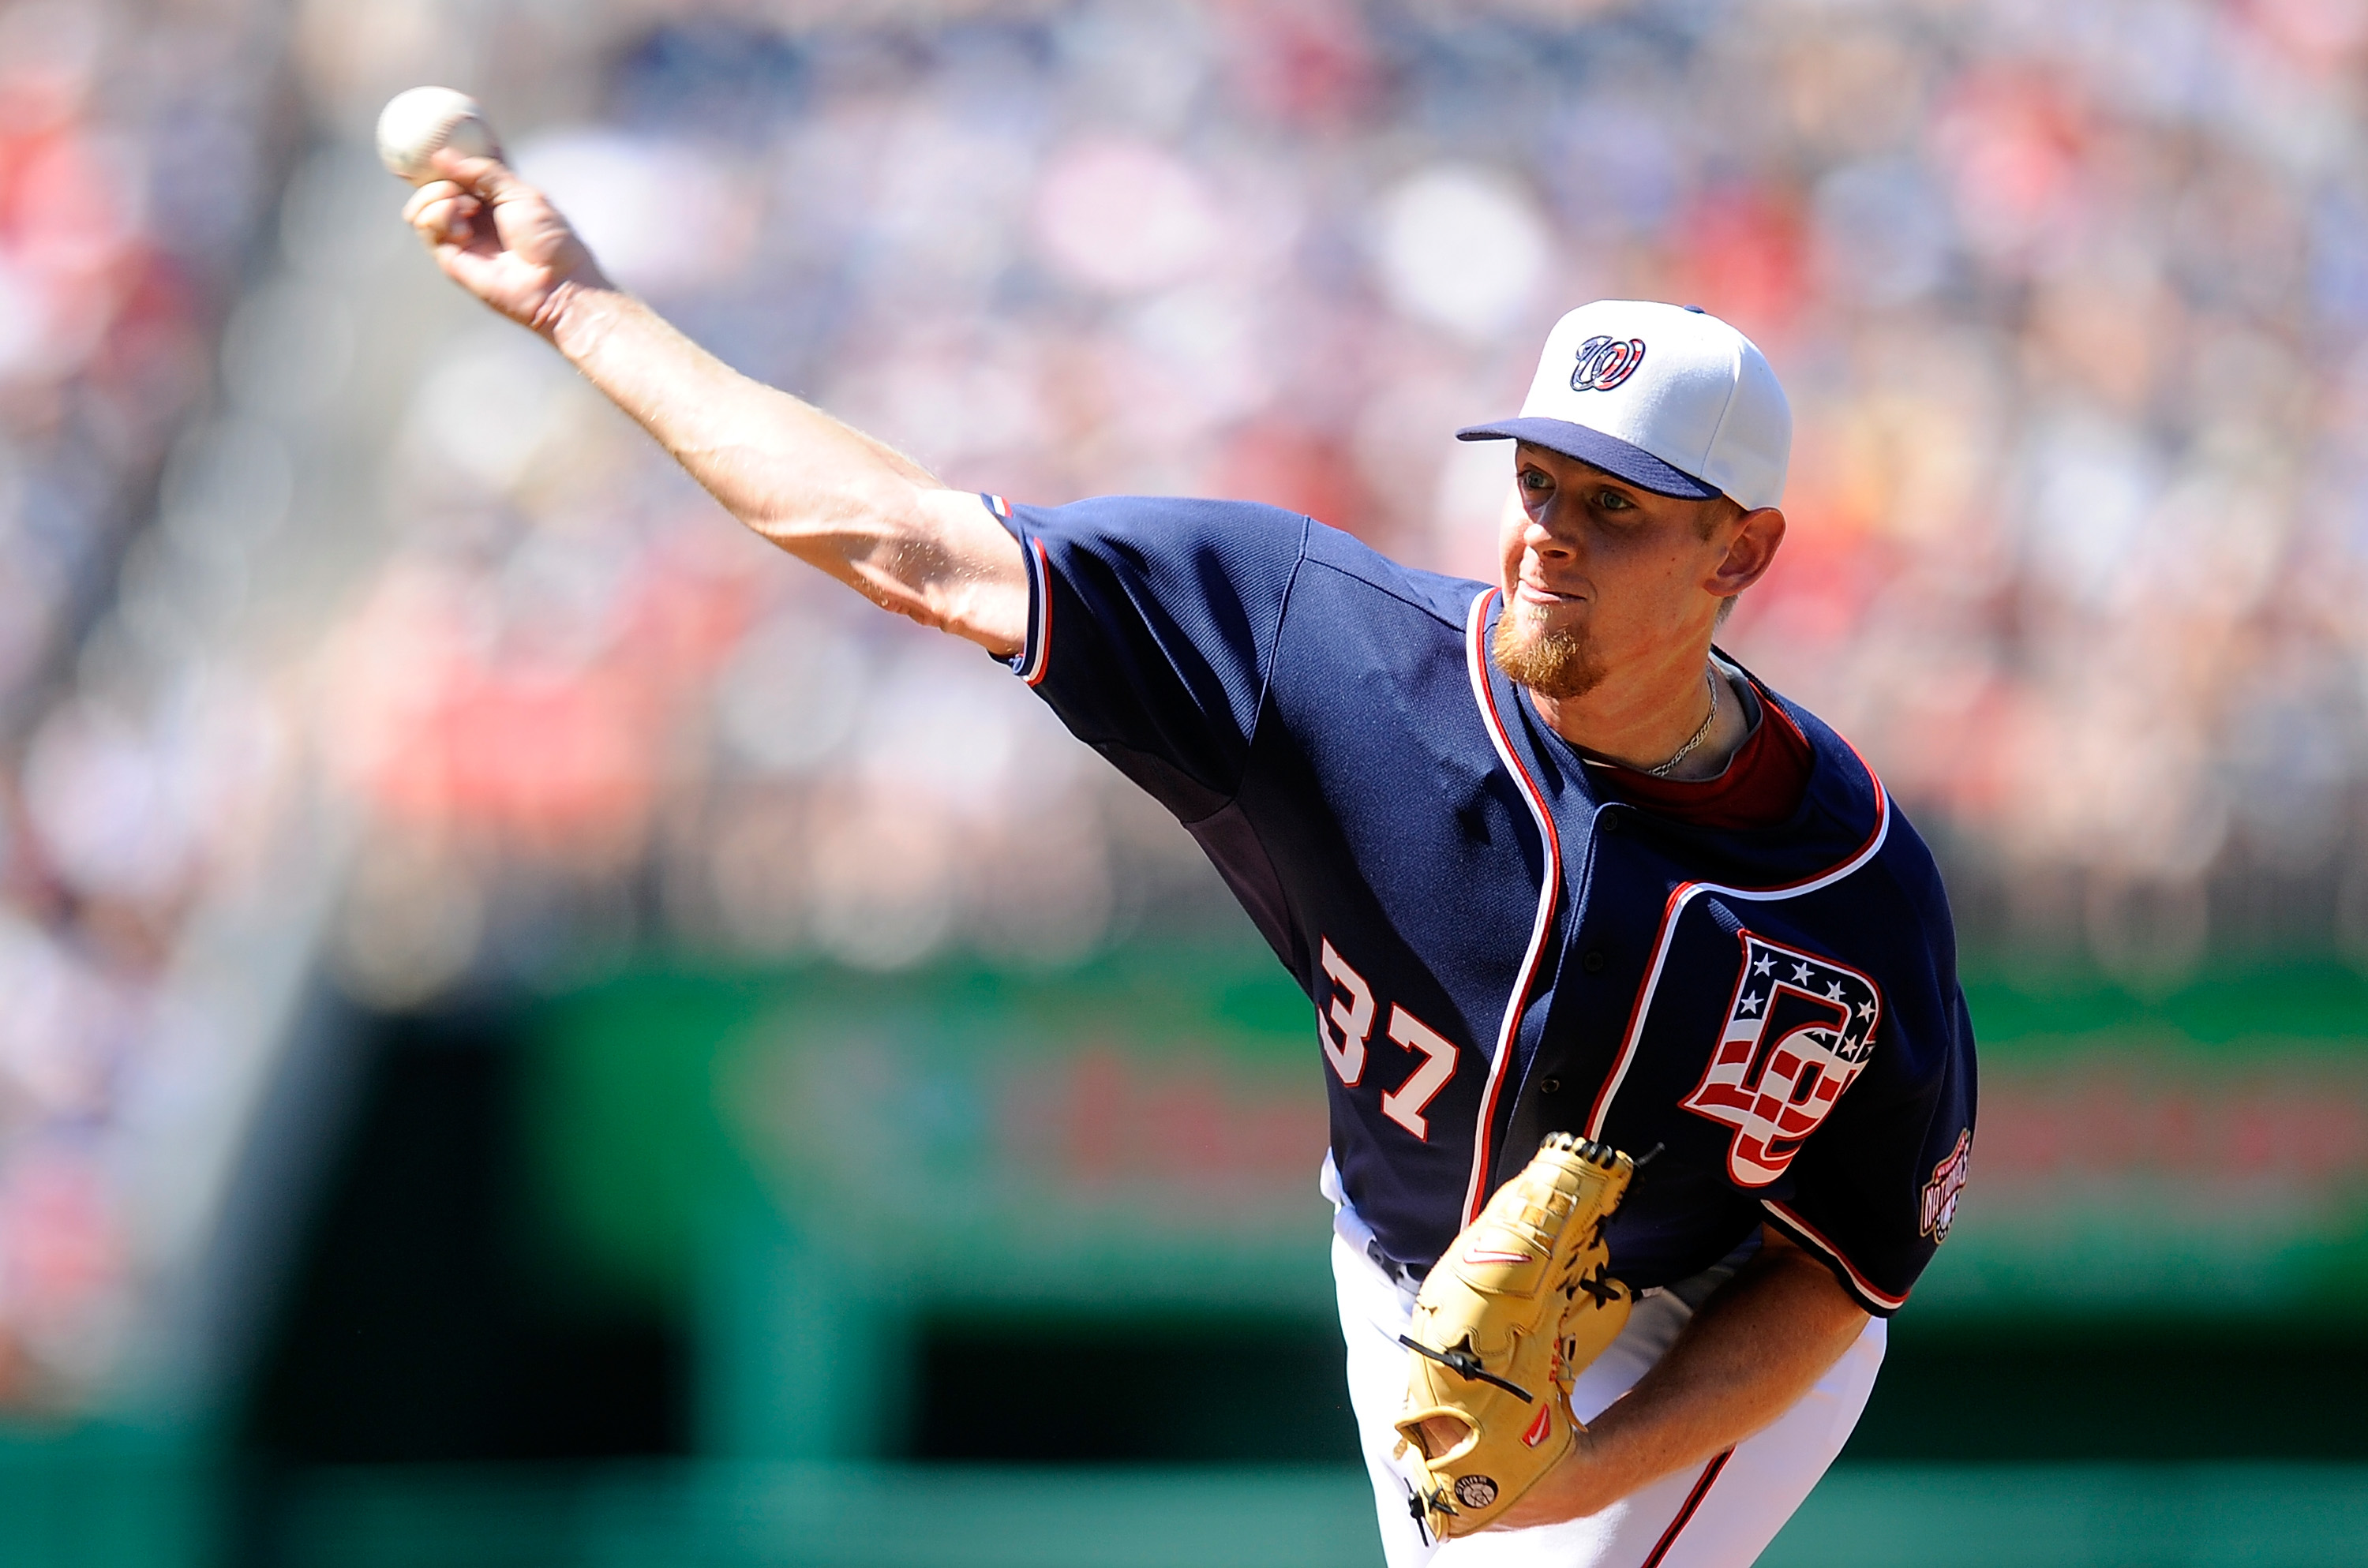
[(1345, 1025)]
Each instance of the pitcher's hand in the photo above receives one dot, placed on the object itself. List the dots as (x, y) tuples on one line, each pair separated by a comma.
[(498, 237)]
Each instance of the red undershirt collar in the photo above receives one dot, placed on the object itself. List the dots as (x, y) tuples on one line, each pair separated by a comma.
[(1761, 785)]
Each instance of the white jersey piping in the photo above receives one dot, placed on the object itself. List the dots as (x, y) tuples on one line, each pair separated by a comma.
[(1476, 663)]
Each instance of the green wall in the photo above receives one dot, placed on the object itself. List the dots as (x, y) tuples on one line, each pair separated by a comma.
[(809, 1170), (1148, 1129)]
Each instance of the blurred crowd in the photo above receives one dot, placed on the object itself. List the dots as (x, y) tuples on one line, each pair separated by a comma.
[(135, 155), (2071, 307), (2071, 303)]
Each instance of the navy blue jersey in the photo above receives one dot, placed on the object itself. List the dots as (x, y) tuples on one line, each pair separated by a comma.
[(1496, 951)]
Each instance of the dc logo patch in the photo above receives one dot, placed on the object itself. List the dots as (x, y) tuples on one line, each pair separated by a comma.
[(1798, 1029), (1605, 362), (1939, 1209)]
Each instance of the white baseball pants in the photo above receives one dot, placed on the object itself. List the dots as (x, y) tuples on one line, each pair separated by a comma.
[(1722, 1514)]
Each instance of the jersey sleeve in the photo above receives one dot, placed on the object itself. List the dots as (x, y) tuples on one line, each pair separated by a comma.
[(1152, 630), (1875, 1188)]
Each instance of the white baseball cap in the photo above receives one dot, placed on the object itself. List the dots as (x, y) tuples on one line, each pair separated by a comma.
[(1668, 397)]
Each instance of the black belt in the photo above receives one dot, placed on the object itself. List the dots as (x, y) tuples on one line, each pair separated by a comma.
[(1399, 1273)]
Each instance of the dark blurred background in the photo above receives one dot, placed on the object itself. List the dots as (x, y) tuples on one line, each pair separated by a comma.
[(534, 1031)]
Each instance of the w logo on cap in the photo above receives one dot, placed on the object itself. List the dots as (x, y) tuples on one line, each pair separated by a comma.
[(1605, 362)]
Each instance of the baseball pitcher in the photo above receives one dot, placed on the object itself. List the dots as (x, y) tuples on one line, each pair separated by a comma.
[(1651, 1082)]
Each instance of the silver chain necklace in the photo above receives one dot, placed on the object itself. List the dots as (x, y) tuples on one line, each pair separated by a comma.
[(1700, 736)]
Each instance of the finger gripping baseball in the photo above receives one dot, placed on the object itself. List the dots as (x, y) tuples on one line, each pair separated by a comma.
[(418, 124), (1521, 1301)]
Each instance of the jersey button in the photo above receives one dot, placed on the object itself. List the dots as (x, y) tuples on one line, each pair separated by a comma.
[(1550, 1086), (1593, 960), (1606, 822)]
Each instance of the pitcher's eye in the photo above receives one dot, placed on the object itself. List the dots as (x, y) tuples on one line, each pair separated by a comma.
[(1613, 500), (1535, 479)]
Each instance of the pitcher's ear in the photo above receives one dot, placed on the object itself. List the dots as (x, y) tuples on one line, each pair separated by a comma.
[(1749, 553)]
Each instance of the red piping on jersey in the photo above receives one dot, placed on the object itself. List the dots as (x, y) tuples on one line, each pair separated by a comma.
[(1477, 660), (1686, 1514), (1683, 895), (1882, 1300), (1040, 634)]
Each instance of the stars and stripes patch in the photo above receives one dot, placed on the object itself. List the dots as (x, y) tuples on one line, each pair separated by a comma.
[(1798, 1029)]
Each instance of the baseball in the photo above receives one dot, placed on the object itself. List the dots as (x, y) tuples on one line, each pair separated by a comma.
[(416, 123)]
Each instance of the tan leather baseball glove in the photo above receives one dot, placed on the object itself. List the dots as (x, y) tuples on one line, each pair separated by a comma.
[(1520, 1302)]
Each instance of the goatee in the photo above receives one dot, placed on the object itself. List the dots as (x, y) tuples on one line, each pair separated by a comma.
[(1555, 663)]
